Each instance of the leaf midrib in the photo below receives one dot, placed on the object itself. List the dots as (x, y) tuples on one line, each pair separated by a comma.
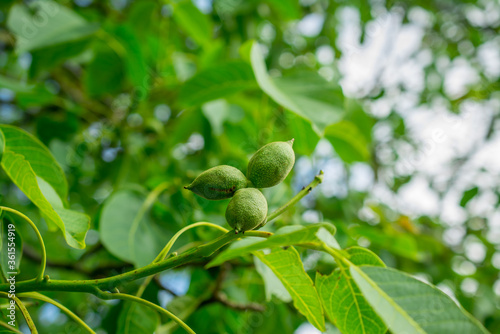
[(355, 299), (382, 293), (262, 258)]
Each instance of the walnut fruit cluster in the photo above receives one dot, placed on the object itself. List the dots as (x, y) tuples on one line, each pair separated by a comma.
[(247, 209)]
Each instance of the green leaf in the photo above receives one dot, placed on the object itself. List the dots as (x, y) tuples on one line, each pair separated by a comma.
[(142, 15), (37, 155), (306, 139), (344, 305), (348, 141), (287, 266), (357, 115), (6, 242), (287, 9), (38, 97), (468, 195), (193, 22), (400, 243), (285, 236), (76, 224), (105, 74), (137, 318), (137, 244), (14, 85), (407, 305), (45, 59), (272, 284), (363, 257), (217, 82), (135, 64), (50, 24), (31, 166), (8, 329), (306, 94)]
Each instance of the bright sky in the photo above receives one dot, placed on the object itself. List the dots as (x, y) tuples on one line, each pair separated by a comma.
[(392, 56)]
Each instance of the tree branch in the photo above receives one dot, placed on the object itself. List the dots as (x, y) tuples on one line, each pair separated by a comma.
[(97, 286), (30, 254), (222, 298)]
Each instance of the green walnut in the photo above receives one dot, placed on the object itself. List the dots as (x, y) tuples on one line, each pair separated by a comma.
[(246, 210), (271, 164), (218, 182)]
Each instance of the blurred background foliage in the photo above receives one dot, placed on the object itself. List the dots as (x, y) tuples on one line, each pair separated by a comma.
[(396, 101)]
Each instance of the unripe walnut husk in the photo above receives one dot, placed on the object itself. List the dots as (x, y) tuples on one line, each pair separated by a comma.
[(218, 182), (271, 164), (246, 210)]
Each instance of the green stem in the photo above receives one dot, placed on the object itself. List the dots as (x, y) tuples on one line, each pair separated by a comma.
[(39, 277), (306, 190), (26, 304), (95, 285), (10, 328), (260, 234), (337, 255), (169, 245), (39, 296), (24, 311), (158, 308)]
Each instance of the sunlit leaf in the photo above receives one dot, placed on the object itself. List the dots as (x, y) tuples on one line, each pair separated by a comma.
[(37, 155), (348, 141), (303, 132), (217, 82), (306, 94), (408, 305), (344, 305), (288, 268), (272, 284), (31, 166)]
